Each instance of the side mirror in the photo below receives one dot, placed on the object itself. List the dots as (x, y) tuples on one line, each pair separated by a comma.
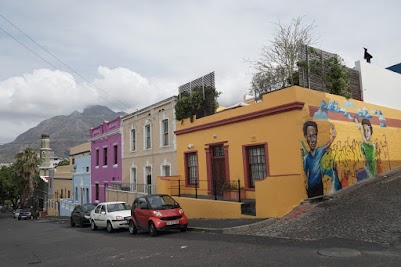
[(103, 213)]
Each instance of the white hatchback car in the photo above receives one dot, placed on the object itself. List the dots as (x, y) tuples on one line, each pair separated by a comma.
[(112, 215)]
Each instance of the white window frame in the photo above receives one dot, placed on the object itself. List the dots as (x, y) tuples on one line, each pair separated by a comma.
[(163, 173), (163, 133), (145, 136), (133, 177), (133, 139)]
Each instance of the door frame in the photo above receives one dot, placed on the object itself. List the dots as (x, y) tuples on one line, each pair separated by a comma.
[(209, 157)]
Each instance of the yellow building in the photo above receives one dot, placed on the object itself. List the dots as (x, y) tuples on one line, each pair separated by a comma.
[(294, 143), (60, 186)]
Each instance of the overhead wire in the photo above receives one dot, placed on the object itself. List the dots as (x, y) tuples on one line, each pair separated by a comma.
[(124, 106)]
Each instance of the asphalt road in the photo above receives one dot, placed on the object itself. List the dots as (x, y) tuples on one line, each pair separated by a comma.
[(55, 243)]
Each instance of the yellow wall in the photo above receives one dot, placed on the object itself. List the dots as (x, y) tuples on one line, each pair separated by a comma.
[(117, 195), (277, 131), (276, 196), (285, 185)]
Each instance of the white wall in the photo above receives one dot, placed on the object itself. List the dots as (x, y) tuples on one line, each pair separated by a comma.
[(379, 86)]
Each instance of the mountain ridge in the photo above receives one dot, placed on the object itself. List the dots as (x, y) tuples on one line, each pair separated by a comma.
[(65, 131)]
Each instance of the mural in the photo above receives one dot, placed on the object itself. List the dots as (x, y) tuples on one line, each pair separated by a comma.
[(339, 163)]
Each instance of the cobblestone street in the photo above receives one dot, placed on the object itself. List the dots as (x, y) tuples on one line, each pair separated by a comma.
[(369, 211)]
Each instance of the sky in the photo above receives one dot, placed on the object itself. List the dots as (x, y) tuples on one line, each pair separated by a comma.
[(61, 56)]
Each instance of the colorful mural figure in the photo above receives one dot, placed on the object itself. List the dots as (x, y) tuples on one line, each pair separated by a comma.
[(368, 147), (353, 159), (312, 161)]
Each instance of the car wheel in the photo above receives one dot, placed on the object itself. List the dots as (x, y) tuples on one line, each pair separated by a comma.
[(72, 222), (109, 227), (93, 225), (152, 229), (183, 229), (132, 228)]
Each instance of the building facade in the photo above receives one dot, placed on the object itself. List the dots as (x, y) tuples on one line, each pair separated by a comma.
[(105, 158), (149, 146), (81, 182), (293, 144)]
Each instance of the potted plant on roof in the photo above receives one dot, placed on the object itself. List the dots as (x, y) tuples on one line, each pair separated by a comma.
[(231, 190)]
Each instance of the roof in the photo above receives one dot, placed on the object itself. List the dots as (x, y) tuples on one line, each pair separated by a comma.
[(395, 68)]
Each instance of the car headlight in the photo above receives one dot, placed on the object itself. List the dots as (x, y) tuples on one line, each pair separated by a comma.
[(87, 216), (157, 213), (119, 217), (181, 211)]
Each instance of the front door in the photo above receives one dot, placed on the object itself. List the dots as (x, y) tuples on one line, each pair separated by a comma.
[(218, 168)]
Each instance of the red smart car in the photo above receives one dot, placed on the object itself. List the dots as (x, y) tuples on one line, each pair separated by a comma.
[(155, 213)]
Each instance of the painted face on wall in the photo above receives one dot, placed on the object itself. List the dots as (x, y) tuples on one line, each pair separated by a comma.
[(367, 132), (311, 137)]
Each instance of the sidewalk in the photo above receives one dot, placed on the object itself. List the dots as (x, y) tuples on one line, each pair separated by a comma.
[(207, 225)]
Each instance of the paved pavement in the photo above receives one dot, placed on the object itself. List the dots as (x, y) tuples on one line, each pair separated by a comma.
[(369, 211)]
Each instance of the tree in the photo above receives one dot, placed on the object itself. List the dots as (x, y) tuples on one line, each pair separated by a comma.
[(196, 103), (27, 172), (277, 66), (331, 70), (64, 162), (9, 189)]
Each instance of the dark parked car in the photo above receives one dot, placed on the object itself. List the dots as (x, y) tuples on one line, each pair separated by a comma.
[(25, 214), (154, 213), (81, 214)]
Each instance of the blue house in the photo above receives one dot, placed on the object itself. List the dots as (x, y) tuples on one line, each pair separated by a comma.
[(81, 181)]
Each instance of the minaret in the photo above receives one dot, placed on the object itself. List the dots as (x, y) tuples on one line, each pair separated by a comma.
[(45, 152)]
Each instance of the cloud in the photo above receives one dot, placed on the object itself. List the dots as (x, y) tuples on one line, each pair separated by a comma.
[(33, 97)]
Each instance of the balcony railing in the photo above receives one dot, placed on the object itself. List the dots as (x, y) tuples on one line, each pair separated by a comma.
[(137, 188), (200, 188)]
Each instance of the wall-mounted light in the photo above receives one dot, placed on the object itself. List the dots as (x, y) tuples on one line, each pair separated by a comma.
[(215, 136), (190, 146)]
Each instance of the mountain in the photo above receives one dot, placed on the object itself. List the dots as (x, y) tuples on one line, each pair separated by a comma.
[(64, 131)]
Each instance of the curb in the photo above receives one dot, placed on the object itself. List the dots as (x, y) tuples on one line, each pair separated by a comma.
[(236, 229)]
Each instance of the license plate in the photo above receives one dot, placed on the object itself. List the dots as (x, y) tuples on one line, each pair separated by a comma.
[(172, 222)]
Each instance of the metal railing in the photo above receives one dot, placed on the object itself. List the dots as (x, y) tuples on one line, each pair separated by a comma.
[(136, 188), (200, 189), (218, 188)]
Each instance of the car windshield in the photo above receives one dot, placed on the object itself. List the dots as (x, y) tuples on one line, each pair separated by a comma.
[(87, 207), (25, 210), (117, 207), (162, 202)]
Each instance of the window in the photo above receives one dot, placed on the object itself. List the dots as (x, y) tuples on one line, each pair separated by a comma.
[(61, 195), (115, 154), (133, 179), (105, 156), (192, 168), (165, 140), (256, 160), (69, 194), (148, 144), (87, 169), (97, 191), (133, 140), (73, 161), (76, 193), (166, 170), (97, 157)]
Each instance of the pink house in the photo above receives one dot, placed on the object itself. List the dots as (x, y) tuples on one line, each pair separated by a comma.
[(105, 157)]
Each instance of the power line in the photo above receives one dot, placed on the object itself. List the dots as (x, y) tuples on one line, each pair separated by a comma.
[(124, 106)]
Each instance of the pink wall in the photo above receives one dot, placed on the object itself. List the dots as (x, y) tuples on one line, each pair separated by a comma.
[(105, 136)]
